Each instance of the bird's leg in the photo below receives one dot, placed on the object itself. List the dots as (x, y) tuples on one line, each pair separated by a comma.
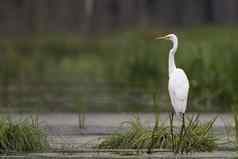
[(181, 134), (171, 129), (185, 131), (183, 126)]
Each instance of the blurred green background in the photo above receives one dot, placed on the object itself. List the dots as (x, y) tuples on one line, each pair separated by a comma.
[(115, 65)]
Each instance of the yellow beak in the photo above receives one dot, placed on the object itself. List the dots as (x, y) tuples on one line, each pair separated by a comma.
[(163, 37)]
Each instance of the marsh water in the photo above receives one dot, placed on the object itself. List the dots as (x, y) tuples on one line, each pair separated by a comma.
[(68, 140)]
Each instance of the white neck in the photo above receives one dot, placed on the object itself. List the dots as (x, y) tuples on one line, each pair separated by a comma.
[(172, 52)]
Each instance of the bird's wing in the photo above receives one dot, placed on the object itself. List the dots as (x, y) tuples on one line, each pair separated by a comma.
[(179, 85)]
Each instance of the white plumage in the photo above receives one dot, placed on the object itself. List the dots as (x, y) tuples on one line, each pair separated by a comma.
[(178, 82), (178, 90)]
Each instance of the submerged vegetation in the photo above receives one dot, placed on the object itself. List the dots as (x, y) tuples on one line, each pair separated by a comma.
[(197, 137), (21, 136)]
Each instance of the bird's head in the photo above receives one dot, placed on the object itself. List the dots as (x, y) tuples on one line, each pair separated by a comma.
[(171, 37)]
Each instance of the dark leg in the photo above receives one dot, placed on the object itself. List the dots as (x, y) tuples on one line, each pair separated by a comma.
[(171, 129), (183, 126), (184, 131), (181, 134)]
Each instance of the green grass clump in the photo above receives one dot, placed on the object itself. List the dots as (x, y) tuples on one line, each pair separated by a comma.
[(21, 136), (196, 138), (137, 137), (235, 117)]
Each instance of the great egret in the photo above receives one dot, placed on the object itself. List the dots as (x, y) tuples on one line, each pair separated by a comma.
[(178, 85)]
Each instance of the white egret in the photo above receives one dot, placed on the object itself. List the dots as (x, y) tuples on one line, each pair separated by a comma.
[(178, 85)]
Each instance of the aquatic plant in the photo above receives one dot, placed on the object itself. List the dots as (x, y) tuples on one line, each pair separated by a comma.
[(21, 136), (235, 117), (197, 137)]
